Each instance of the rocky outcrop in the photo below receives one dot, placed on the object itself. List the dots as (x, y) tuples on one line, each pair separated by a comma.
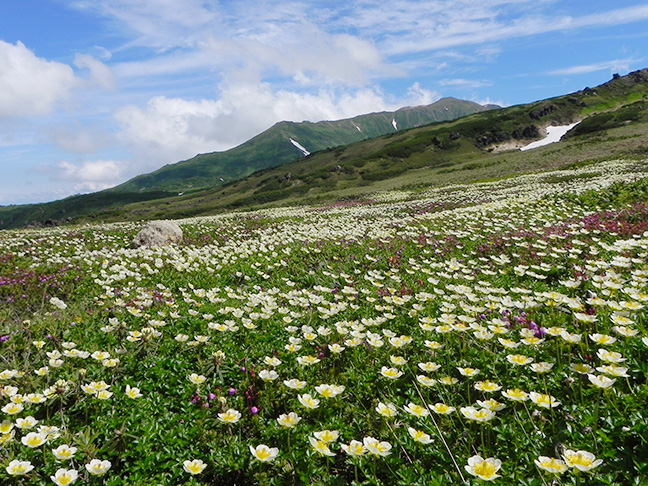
[(158, 233), (542, 112)]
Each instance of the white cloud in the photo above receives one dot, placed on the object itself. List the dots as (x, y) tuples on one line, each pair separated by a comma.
[(464, 83), (161, 24), (171, 129), (421, 96), (411, 27), (190, 76), (99, 73), (29, 85), (616, 65), (91, 175), (76, 137)]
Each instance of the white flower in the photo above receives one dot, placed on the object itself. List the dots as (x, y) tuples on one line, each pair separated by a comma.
[(391, 373), (132, 392), (581, 460), (550, 464), (295, 384), (478, 415), (288, 420), (327, 436), (376, 447), (194, 466), (19, 468), (354, 448), (63, 477), (264, 453), (197, 379), (601, 381), (26, 422), (308, 401), (58, 303), (429, 366), (485, 469), (416, 410), (610, 356), (541, 367), (320, 447), (386, 409), (329, 391), (419, 435), (34, 439), (543, 400), (272, 361), (64, 452), (268, 375), (98, 467), (231, 416)]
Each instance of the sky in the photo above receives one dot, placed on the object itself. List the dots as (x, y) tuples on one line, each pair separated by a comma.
[(95, 92)]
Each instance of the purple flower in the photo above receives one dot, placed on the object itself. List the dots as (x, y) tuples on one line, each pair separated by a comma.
[(4, 338), (232, 391), (211, 396), (254, 410)]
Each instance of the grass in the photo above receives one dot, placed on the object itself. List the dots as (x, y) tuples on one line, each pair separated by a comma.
[(444, 335)]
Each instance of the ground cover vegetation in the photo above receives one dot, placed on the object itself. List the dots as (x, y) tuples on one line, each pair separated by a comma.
[(493, 331)]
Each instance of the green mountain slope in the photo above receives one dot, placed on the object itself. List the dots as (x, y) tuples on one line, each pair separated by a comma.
[(613, 123), (274, 147)]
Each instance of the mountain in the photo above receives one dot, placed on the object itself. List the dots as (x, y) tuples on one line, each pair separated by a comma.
[(287, 141), (613, 123)]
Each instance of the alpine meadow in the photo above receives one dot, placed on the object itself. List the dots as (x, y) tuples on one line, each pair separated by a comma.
[(427, 307)]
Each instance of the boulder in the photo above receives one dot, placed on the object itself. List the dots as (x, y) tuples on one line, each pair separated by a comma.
[(158, 233)]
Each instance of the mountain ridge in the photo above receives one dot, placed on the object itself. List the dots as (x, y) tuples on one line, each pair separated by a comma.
[(613, 123), (272, 147)]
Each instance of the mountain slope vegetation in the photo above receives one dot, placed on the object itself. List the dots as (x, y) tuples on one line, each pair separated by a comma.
[(613, 124), (482, 146), (288, 141)]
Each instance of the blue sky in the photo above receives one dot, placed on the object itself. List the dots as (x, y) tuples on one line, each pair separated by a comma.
[(94, 92)]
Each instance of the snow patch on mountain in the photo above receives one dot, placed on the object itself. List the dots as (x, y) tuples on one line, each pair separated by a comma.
[(554, 134), (300, 147), (358, 128), (394, 124)]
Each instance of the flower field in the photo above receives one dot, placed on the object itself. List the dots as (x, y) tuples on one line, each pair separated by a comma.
[(471, 333)]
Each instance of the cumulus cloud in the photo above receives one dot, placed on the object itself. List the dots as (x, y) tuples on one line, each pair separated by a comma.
[(324, 59), (29, 85), (91, 175), (77, 137), (99, 74), (421, 96), (171, 129)]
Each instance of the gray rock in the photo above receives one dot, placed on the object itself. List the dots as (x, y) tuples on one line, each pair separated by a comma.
[(158, 233)]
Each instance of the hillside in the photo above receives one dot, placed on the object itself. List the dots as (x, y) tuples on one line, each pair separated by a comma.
[(483, 146), (613, 123), (287, 141)]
